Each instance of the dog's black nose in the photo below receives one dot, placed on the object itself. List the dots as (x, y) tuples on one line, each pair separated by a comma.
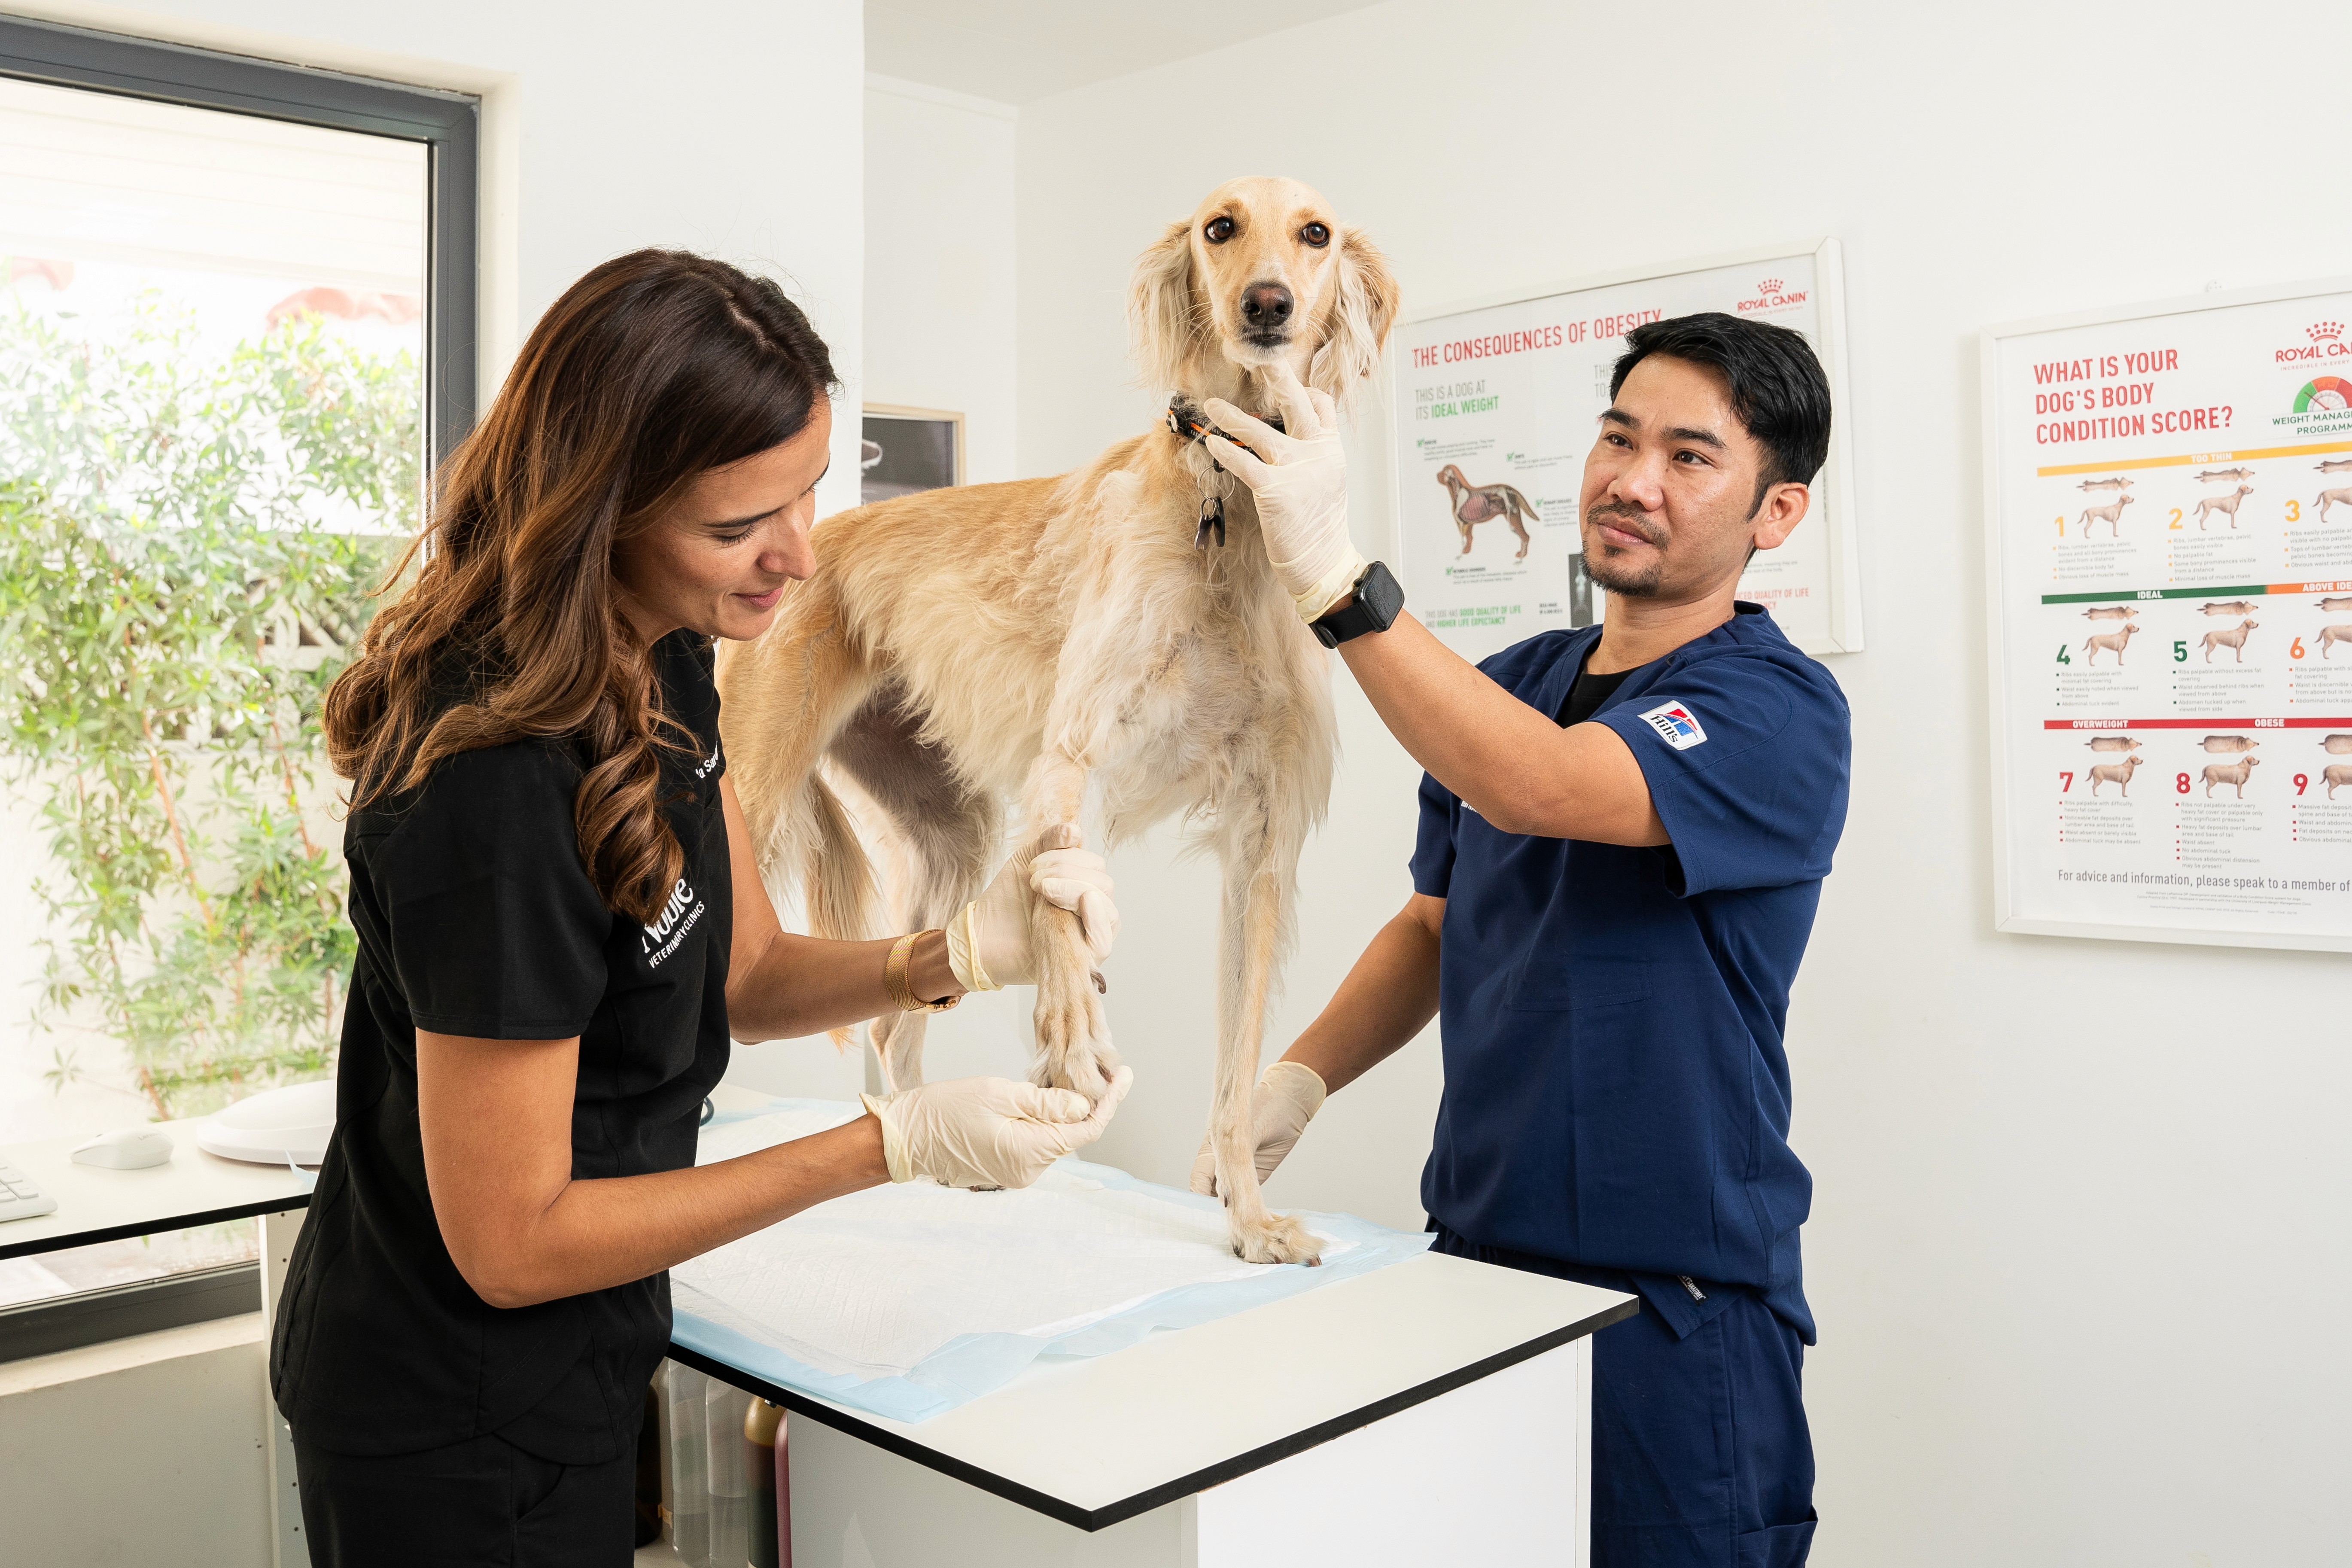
[(1266, 307)]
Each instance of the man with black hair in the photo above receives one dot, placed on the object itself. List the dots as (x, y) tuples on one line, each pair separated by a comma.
[(1623, 832)]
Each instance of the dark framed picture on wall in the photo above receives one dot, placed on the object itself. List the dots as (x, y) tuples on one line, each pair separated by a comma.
[(909, 449)]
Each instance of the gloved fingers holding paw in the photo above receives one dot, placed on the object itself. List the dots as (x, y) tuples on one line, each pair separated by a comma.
[(989, 940), (988, 1132), (1284, 1100)]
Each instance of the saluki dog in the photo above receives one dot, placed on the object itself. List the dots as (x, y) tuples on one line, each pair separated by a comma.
[(1474, 504), (1035, 639)]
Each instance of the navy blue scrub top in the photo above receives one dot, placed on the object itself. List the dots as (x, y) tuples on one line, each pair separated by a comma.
[(1616, 1087)]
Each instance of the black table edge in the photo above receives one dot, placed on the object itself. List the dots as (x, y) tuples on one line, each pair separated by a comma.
[(154, 1226), (1169, 1491)]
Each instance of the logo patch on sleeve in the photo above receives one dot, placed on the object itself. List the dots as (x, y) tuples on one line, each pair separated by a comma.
[(1675, 725)]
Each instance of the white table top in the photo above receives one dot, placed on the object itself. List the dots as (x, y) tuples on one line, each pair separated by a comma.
[(1094, 1441), (97, 1204)]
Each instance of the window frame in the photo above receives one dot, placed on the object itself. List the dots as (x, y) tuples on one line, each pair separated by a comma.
[(450, 124)]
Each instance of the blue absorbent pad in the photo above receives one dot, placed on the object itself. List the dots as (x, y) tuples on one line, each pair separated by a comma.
[(905, 1301)]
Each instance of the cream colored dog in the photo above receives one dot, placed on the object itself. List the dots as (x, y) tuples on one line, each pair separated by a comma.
[(1028, 641)]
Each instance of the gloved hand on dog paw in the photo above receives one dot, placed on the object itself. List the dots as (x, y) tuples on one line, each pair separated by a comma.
[(988, 941), (988, 1132), (1284, 1099), (1300, 476)]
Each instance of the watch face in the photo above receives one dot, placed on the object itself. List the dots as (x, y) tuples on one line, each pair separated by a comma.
[(1381, 594)]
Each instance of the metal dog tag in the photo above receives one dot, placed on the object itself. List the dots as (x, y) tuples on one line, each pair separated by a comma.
[(1213, 516)]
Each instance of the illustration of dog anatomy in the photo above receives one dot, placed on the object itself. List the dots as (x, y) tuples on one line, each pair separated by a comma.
[(1475, 504), (2336, 745), (2113, 743), (2336, 774), (2330, 606), (2226, 607), (2112, 641), (2111, 613), (2229, 743), (2117, 483), (2336, 464), (2111, 514), (2330, 636), (2328, 498), (2236, 773), (2117, 774), (2225, 476), (2226, 505), (2234, 640)]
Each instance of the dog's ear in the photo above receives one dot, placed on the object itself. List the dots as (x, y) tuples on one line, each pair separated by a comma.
[(1164, 316), (1363, 308)]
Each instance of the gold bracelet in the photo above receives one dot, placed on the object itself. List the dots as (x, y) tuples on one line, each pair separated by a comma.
[(900, 989)]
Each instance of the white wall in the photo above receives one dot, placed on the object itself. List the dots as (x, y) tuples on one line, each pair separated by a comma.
[(939, 249), (147, 1449), (2079, 1245)]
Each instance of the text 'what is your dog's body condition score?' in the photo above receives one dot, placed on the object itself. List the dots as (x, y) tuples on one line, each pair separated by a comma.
[(2172, 530)]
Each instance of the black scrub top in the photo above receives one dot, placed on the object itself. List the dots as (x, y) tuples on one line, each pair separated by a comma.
[(476, 916)]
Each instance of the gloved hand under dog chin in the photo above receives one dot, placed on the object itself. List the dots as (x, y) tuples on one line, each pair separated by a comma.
[(1299, 477)]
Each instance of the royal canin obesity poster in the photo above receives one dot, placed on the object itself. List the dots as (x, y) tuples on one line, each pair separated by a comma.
[(1496, 405)]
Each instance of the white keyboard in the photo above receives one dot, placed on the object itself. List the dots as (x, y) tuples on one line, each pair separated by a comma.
[(19, 1198)]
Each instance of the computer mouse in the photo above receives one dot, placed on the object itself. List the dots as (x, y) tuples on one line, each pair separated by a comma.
[(128, 1148)]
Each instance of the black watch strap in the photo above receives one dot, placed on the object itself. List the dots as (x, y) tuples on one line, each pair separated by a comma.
[(1377, 600)]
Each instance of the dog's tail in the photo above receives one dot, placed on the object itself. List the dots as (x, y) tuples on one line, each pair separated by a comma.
[(1524, 503), (837, 879)]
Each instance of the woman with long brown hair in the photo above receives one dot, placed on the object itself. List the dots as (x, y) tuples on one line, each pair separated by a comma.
[(561, 926)]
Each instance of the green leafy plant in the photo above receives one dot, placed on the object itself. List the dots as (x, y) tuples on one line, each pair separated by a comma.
[(188, 546)]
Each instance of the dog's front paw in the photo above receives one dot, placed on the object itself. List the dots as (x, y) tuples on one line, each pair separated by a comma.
[(1276, 1238)]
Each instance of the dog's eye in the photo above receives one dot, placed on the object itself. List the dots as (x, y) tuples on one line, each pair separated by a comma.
[(1316, 235), (1220, 230)]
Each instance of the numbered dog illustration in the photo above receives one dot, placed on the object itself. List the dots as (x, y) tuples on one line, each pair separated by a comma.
[(2331, 606), (2229, 743), (2336, 774), (2234, 640), (2226, 607), (2226, 505), (2236, 773), (2330, 636), (2117, 774), (2225, 476), (2333, 499), (1475, 504), (2117, 483), (2114, 642), (2336, 464), (2336, 745), (2114, 743), (2113, 613), (2111, 514)]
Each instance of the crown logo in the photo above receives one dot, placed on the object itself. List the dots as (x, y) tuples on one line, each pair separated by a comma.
[(2319, 330), (1769, 286)]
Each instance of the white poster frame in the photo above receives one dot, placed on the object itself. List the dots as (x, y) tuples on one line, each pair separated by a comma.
[(2005, 916), (1835, 481)]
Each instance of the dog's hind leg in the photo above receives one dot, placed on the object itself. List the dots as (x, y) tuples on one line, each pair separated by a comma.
[(1074, 1048), (1258, 845), (945, 835)]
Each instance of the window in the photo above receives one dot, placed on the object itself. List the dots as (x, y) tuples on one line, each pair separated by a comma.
[(236, 328)]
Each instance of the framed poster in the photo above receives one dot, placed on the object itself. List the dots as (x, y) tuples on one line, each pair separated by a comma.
[(907, 449), (1495, 402), (2169, 527)]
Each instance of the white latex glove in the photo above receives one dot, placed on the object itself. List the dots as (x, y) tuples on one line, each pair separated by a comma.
[(1300, 481), (987, 1131), (1285, 1100), (988, 943)]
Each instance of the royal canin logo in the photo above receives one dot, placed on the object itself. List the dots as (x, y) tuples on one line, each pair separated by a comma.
[(1772, 294), (2327, 343)]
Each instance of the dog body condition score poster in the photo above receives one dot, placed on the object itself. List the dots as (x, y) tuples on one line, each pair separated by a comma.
[(1497, 406), (2169, 493)]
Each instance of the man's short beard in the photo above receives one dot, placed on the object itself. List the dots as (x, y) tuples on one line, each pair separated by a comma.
[(1631, 580)]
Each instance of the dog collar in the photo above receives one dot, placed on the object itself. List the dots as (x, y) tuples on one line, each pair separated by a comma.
[(1189, 423)]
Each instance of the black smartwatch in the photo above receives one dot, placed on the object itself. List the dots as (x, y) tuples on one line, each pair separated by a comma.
[(1377, 601)]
